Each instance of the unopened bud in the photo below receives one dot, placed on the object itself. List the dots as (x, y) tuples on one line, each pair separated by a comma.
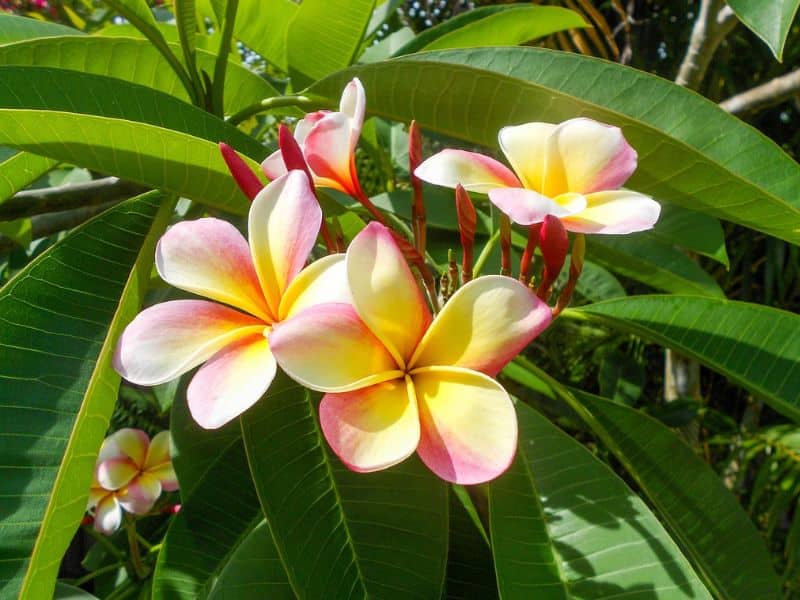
[(554, 242), (505, 245), (247, 181), (575, 268), (418, 217), (467, 221)]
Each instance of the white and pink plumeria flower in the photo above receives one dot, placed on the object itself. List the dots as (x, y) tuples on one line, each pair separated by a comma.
[(398, 380), (251, 287), (328, 141), (131, 472), (572, 171)]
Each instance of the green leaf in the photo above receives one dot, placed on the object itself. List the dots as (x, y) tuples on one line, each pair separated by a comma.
[(135, 61), (691, 153), (595, 283), (254, 571), (495, 26), (696, 507), (693, 231), (771, 21), (20, 170), (645, 259), (186, 22), (14, 28), (340, 533), (219, 533), (122, 129), (470, 571), (336, 28), (754, 346), (68, 592), (565, 526), (18, 230), (61, 317), (267, 36)]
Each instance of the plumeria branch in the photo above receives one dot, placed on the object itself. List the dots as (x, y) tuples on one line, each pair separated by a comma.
[(306, 103), (715, 21), (765, 95)]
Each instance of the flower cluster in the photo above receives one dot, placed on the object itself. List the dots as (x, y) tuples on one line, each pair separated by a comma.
[(399, 375), (131, 472)]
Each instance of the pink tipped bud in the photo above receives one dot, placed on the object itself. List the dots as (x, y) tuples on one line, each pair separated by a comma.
[(247, 181), (171, 509), (467, 221), (554, 242), (87, 520)]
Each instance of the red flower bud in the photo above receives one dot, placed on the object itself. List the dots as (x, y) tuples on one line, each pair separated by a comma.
[(467, 221), (554, 242), (247, 181)]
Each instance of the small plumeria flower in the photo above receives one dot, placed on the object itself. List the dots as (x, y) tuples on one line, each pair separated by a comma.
[(255, 285), (131, 472), (572, 171), (398, 380), (328, 141)]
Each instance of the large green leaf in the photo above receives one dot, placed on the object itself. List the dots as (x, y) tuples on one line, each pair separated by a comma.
[(122, 129), (645, 259), (691, 152), (495, 26), (340, 533), (470, 570), (20, 170), (254, 571), (697, 508), (755, 346), (267, 36), (134, 60), (771, 21), (565, 526), (336, 28), (14, 28), (693, 231), (220, 530), (61, 316)]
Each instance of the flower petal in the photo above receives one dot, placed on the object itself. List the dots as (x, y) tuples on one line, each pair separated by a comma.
[(166, 475), (323, 281), (476, 172), (306, 124), (468, 425), (140, 496), (526, 147), (328, 151), (125, 443), (108, 515), (372, 428), (158, 452), (595, 156), (283, 224), (231, 381), (168, 339), (211, 258), (527, 207), (96, 494), (327, 347), (353, 104), (619, 211), (385, 293), (115, 473), (273, 166), (483, 326)]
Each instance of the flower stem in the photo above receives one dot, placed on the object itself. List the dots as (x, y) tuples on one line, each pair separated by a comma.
[(485, 253), (267, 104), (139, 568), (105, 542), (88, 577)]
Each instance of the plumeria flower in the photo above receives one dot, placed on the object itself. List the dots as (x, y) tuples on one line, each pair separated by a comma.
[(264, 279), (132, 470), (398, 380), (572, 171), (328, 140)]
